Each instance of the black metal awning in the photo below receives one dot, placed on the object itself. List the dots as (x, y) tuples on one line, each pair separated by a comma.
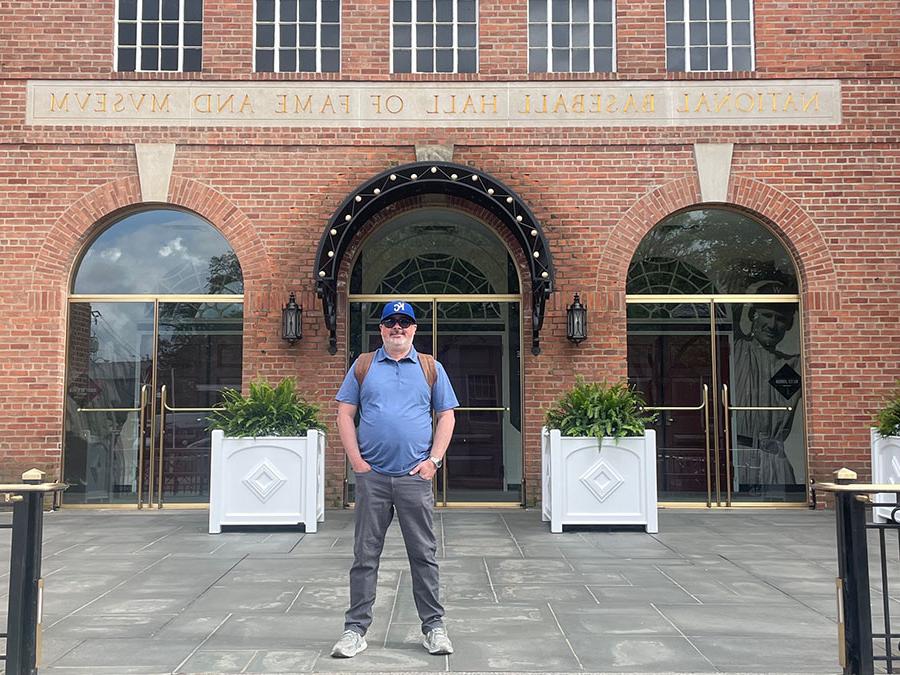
[(421, 178)]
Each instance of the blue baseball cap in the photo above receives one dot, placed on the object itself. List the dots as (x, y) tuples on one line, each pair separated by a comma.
[(398, 307)]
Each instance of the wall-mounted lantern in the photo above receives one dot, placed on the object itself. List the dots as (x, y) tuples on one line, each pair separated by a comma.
[(291, 320), (576, 321)]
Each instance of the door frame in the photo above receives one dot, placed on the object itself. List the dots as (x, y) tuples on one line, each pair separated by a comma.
[(150, 402), (723, 426), (435, 299)]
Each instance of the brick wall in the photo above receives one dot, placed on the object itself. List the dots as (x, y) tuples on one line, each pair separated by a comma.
[(831, 193)]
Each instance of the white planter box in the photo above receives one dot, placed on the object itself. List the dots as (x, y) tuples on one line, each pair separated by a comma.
[(586, 483), (885, 470), (272, 480)]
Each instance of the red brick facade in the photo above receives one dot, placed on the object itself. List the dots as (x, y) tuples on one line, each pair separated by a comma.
[(831, 193)]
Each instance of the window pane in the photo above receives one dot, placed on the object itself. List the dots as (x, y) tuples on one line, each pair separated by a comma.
[(581, 36), (402, 61), (717, 10), (424, 61), (424, 38), (697, 9), (127, 60), (674, 34), (402, 36), (287, 60), (265, 10), (699, 58), (193, 34), (561, 36), (537, 35), (467, 61), (288, 35), (580, 11), (150, 10), (674, 10), (306, 61), (331, 36), (170, 10), (265, 36), (169, 59), (740, 9), (191, 61), (581, 60), (718, 58), (331, 11), (444, 61), (127, 10), (444, 36), (150, 34), (698, 33), (149, 59), (331, 61), (537, 60), (560, 60), (444, 10), (424, 10), (740, 33), (560, 10), (170, 34), (466, 36), (307, 10), (308, 35), (603, 61), (537, 10), (466, 11), (288, 10), (603, 10), (127, 33), (402, 11), (675, 60), (718, 33), (740, 59), (603, 35), (265, 61), (193, 10)]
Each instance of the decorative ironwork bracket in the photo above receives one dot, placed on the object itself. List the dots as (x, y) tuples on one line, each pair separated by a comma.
[(421, 178)]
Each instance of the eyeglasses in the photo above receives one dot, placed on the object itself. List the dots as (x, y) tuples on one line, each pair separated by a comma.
[(404, 322)]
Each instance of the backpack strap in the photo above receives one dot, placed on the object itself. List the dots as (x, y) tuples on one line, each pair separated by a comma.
[(364, 362)]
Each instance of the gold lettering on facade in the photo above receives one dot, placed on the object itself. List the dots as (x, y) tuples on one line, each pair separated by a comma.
[(393, 104), (345, 103), (702, 102), (630, 104), (327, 105), (808, 102), (202, 103), (578, 103), (62, 105), (493, 103), (611, 103), (685, 104), (560, 105), (744, 96), (100, 106)]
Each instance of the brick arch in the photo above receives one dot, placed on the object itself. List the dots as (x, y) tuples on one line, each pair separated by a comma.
[(82, 220), (780, 213)]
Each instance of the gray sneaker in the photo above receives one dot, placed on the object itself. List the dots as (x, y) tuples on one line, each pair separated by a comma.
[(438, 642), (349, 645)]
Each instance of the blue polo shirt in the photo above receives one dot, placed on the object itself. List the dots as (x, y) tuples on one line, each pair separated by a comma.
[(395, 407)]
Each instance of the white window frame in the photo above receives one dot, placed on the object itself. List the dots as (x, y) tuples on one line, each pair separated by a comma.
[(592, 24), (434, 23), (729, 45), (277, 47), (139, 32)]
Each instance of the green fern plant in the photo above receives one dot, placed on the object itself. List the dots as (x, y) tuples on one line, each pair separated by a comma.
[(600, 410), (265, 411), (888, 418)]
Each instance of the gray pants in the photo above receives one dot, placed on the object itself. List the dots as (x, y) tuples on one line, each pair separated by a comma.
[(377, 496)]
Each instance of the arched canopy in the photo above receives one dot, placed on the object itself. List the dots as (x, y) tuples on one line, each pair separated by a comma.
[(422, 178)]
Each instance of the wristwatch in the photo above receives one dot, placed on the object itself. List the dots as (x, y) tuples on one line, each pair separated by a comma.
[(437, 461)]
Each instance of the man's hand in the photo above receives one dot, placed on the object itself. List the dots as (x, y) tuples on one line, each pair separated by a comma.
[(426, 470), (361, 467)]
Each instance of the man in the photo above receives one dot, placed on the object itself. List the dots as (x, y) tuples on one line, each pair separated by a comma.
[(394, 460), (759, 367)]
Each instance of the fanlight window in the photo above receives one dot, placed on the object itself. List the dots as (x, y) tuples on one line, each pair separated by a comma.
[(160, 251)]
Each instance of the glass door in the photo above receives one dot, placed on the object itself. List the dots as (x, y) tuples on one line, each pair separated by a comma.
[(725, 380), (141, 378), (478, 342)]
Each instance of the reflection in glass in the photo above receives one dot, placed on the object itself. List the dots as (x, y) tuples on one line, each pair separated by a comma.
[(160, 251), (110, 356), (711, 251)]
